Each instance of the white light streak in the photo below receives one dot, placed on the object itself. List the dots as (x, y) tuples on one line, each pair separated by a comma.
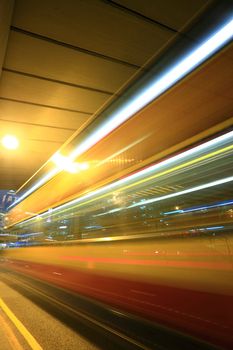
[(189, 190)]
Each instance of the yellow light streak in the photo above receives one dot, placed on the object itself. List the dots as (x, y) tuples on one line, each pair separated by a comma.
[(131, 185), (178, 167)]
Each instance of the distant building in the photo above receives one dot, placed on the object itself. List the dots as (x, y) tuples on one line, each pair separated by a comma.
[(7, 197)]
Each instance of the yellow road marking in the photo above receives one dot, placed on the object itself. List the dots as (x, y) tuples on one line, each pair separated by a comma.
[(22, 329), (11, 338)]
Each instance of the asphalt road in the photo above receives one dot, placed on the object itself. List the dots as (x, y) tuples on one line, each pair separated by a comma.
[(37, 315), (48, 332)]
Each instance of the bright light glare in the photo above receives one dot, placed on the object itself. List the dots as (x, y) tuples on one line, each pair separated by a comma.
[(10, 142), (156, 88), (66, 163), (83, 166), (63, 163)]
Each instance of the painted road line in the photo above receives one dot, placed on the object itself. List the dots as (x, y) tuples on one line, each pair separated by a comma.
[(9, 335), (22, 329)]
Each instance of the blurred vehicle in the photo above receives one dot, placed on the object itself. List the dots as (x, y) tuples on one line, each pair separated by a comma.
[(156, 243)]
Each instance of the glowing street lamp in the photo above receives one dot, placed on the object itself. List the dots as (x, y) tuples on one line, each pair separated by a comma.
[(10, 142)]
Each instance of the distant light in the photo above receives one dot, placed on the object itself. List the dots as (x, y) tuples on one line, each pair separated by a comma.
[(10, 142), (107, 239), (220, 204), (214, 228)]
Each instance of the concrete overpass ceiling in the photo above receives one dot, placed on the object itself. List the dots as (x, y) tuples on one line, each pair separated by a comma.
[(65, 59)]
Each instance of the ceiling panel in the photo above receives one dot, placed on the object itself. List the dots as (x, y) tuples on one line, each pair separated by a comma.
[(35, 132), (17, 159), (34, 90), (21, 157), (28, 113), (46, 59), (174, 14), (37, 145), (93, 25)]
